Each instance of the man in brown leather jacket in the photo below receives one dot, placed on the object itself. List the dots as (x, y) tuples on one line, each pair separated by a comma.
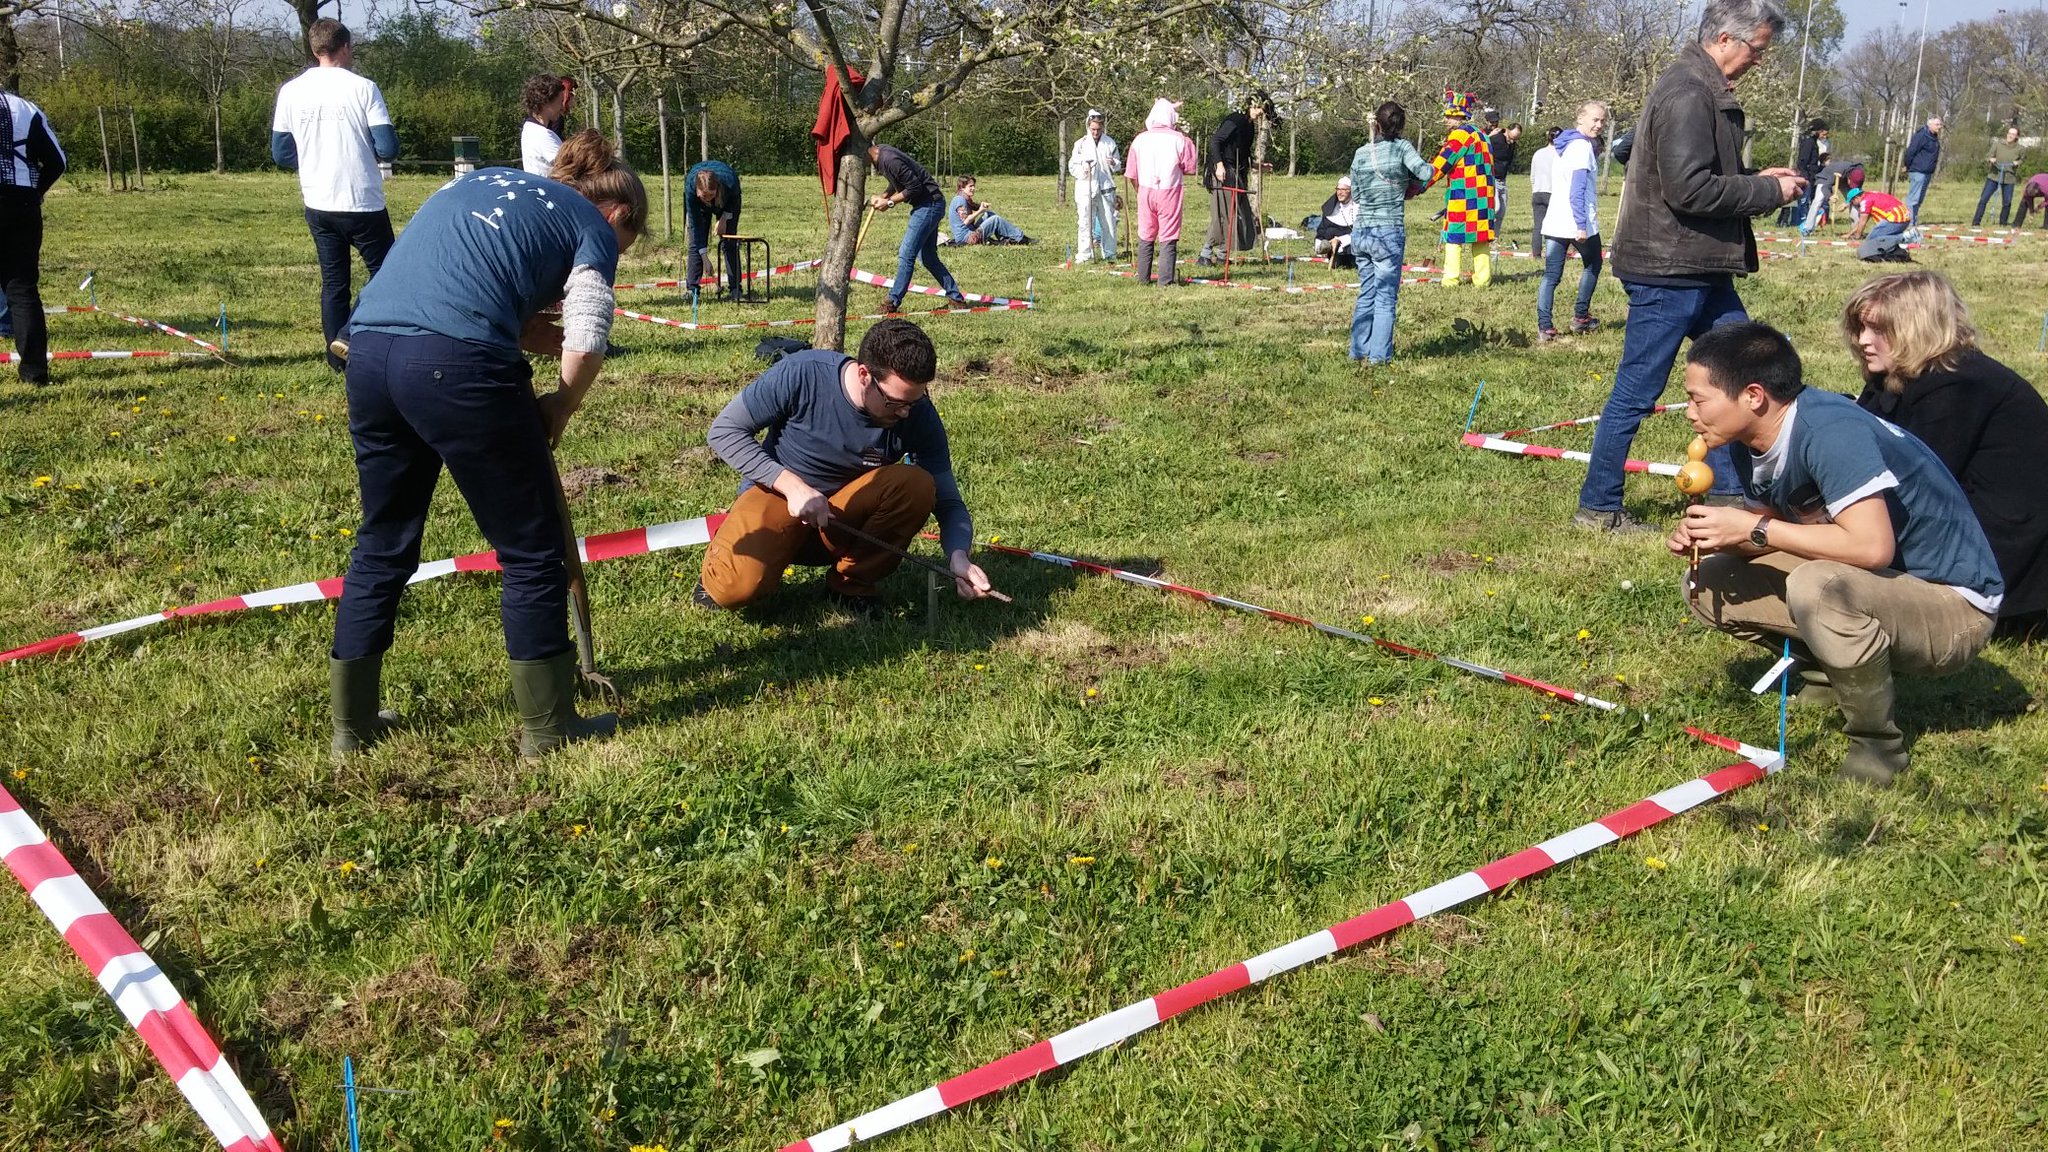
[(1684, 235)]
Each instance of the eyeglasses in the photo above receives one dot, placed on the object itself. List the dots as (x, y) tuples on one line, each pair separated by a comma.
[(890, 402), (1754, 51)]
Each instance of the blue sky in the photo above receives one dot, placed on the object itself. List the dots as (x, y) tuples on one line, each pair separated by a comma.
[(1865, 15)]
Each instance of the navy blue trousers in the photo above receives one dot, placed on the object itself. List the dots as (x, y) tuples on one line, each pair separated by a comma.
[(416, 403), (334, 233)]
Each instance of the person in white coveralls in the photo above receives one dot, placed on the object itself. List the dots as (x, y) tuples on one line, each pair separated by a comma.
[(1094, 164)]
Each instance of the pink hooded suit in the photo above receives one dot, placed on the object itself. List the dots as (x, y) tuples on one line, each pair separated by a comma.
[(1157, 161)]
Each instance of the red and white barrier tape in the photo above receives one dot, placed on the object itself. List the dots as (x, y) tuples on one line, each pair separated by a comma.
[(134, 982), (1210, 282), (784, 270), (153, 325), (1504, 442), (609, 546), (889, 282), (1124, 1023), (143, 354), (1517, 448), (693, 326)]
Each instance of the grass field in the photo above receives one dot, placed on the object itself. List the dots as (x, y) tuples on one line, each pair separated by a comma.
[(828, 863)]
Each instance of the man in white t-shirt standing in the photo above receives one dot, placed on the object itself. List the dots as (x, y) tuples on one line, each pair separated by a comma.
[(332, 126)]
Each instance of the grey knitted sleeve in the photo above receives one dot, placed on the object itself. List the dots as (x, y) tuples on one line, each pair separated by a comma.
[(587, 304)]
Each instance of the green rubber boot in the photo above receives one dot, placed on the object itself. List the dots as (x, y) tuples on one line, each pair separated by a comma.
[(352, 687), (1877, 750), (545, 693)]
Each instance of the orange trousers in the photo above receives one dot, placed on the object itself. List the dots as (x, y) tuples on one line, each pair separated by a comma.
[(760, 538)]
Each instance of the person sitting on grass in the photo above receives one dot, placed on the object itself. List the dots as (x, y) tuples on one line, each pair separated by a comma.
[(1923, 371), (1855, 541), (973, 222), (839, 429), (1333, 225)]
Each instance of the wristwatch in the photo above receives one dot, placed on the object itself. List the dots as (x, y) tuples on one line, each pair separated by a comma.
[(1761, 534)]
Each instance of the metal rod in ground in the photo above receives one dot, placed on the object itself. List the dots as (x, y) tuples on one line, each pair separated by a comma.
[(920, 561)]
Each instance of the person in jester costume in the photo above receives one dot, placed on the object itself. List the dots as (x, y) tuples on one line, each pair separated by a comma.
[(1466, 168)]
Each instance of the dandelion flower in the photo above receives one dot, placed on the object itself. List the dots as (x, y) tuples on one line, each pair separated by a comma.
[(1654, 864), (1375, 701), (344, 533), (346, 867), (968, 955), (231, 439), (1585, 635), (910, 848), (114, 435), (2020, 938), (1763, 827), (1620, 679), (40, 482), (1545, 717), (981, 667), (1092, 693), (21, 773), (994, 862), (1365, 620), (1080, 861), (577, 830)]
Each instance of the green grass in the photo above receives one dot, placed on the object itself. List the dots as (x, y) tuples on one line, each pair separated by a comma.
[(794, 843)]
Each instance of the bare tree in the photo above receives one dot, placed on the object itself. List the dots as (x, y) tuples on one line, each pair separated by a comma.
[(10, 46), (208, 42)]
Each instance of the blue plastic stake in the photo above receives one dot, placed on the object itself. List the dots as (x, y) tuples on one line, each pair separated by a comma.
[(1290, 273), (1784, 702), (223, 327), (1474, 411), (348, 1087)]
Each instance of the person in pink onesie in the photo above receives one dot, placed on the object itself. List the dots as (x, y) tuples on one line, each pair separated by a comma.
[(1158, 161)]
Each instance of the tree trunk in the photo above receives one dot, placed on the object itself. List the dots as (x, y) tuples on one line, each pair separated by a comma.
[(1060, 165), (220, 159), (308, 11), (10, 56), (849, 203), (1291, 153)]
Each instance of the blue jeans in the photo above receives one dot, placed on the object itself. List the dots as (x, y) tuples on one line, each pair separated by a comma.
[(1916, 191), (334, 233), (414, 403), (2004, 190), (1379, 252), (1554, 252), (994, 228), (1660, 318), (921, 242), (699, 223)]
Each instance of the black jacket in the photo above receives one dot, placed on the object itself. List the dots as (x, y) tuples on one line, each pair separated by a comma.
[(1991, 428), (1689, 200), (1810, 159), (1232, 147)]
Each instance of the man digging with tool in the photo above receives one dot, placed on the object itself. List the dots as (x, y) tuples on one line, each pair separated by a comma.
[(830, 485), (1855, 541)]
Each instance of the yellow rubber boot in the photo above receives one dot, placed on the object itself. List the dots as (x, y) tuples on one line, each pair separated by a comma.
[(1482, 264), (1454, 260)]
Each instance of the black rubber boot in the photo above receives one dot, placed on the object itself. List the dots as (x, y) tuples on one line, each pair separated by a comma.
[(1144, 261), (1877, 750), (544, 691), (352, 687), (1168, 252)]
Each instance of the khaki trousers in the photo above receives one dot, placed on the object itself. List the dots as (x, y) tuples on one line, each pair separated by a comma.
[(760, 538), (1847, 616)]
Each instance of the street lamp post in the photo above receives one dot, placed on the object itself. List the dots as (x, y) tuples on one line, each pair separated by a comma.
[(1799, 94), (1913, 107)]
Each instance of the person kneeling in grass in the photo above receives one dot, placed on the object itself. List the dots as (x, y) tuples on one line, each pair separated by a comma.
[(1855, 540), (838, 430)]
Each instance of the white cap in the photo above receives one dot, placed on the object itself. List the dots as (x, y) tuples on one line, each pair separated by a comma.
[(1095, 113), (1343, 181)]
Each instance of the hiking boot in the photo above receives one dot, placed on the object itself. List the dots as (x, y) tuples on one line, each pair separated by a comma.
[(1877, 750), (1606, 521), (352, 687), (1546, 335), (544, 692), (702, 599), (957, 299), (1583, 324), (895, 304)]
